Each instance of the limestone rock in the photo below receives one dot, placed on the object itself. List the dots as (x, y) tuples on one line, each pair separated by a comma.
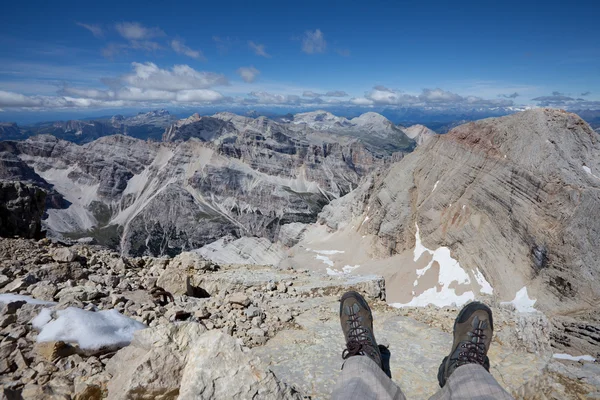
[(64, 254), (239, 299), (511, 196), (21, 209), (180, 276), (217, 368), (50, 351), (419, 133), (151, 366), (207, 171)]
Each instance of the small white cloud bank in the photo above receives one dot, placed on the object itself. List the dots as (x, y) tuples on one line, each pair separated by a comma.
[(180, 48), (89, 330), (258, 49), (137, 31), (96, 30), (314, 42), (248, 74)]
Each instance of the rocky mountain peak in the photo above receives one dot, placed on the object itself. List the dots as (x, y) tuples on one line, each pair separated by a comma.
[(419, 133), (538, 139), (370, 117)]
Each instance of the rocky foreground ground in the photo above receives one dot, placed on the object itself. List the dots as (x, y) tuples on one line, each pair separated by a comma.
[(245, 331)]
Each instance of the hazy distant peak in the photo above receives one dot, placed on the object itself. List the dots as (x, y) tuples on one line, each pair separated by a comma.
[(370, 117)]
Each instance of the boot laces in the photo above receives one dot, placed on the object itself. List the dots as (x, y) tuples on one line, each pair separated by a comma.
[(359, 339), (473, 352)]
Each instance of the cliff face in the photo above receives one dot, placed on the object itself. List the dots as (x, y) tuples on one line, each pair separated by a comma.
[(21, 210), (514, 197)]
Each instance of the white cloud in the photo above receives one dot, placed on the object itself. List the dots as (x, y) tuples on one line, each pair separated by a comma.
[(137, 94), (269, 98), (95, 29), (248, 74), (343, 52), (17, 100), (438, 96), (198, 96), (314, 42), (11, 99), (259, 49), (383, 95), (336, 93), (180, 77), (136, 31), (146, 84), (311, 94), (361, 101), (180, 48)]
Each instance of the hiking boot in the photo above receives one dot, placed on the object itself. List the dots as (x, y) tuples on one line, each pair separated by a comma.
[(357, 325), (473, 330)]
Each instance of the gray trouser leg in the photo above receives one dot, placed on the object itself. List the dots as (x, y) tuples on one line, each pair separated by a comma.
[(471, 382), (362, 379)]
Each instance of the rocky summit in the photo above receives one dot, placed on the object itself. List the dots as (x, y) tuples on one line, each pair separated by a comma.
[(511, 201), (82, 322), (210, 265)]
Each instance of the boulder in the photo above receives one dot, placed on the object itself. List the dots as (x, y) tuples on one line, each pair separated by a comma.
[(64, 254), (151, 367), (180, 276), (21, 209), (239, 299), (217, 368)]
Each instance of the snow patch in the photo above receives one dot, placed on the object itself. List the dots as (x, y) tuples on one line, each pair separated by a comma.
[(522, 302), (443, 298), (589, 171), (435, 186), (450, 272), (326, 260), (9, 298), (562, 356), (485, 285), (365, 220), (90, 330), (42, 319), (345, 270), (327, 252)]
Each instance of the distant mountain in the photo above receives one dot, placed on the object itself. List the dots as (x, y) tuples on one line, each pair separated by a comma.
[(212, 176), (419, 133), (370, 128), (10, 131), (513, 199), (150, 125)]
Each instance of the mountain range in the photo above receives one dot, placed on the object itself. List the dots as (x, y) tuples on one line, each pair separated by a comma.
[(211, 176), (499, 206)]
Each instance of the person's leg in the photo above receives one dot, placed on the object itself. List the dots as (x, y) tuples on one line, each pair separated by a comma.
[(362, 374), (464, 374), (471, 381), (362, 378)]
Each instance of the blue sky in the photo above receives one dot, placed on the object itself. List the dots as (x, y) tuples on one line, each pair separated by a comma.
[(312, 54)]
